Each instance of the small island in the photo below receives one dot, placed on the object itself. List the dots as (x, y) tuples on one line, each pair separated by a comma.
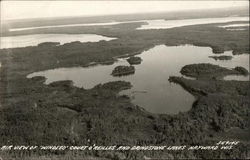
[(207, 71), (123, 70), (134, 60), (221, 57), (217, 49), (241, 70)]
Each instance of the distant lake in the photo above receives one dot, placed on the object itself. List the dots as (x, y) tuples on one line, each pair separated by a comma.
[(35, 39), (151, 88), (235, 25), (167, 24), (152, 24), (71, 25)]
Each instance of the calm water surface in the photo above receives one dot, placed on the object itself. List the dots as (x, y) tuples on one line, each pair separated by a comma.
[(166, 24), (71, 25), (35, 39), (151, 88)]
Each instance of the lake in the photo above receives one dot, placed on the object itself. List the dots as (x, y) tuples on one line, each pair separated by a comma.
[(167, 24), (235, 25), (71, 25), (35, 39), (151, 88)]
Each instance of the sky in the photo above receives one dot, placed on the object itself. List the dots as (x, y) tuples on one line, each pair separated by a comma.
[(41, 9)]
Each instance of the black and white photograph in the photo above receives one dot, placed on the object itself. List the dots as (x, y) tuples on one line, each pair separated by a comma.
[(124, 80)]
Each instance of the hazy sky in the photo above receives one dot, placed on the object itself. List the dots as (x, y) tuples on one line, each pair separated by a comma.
[(37, 9)]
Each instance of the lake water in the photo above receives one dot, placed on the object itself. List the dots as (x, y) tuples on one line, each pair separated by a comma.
[(71, 25), (235, 25), (166, 24), (151, 88), (35, 39), (151, 24), (237, 29)]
